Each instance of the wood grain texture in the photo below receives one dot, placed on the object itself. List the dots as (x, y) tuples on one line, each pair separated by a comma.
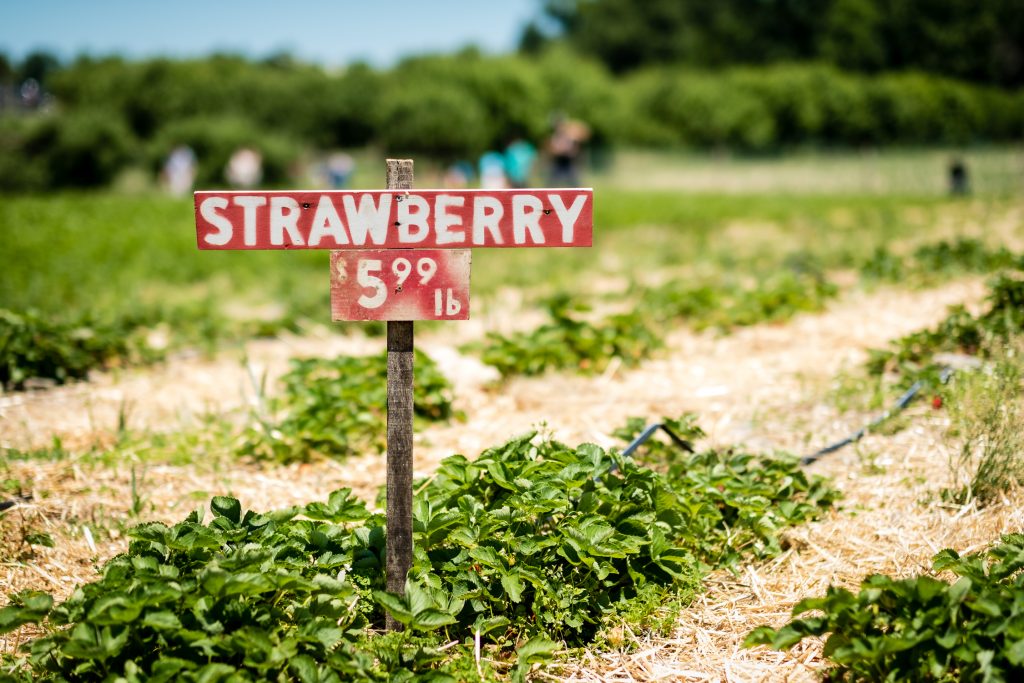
[(400, 413)]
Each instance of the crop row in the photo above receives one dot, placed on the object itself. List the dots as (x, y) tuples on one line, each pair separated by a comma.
[(531, 543)]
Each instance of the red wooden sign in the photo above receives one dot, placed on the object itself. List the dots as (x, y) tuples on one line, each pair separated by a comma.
[(400, 284), (395, 219)]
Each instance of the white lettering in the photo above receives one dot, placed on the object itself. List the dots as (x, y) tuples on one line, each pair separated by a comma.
[(407, 218), (568, 216), (453, 306), (284, 217), (327, 223), (487, 212), (444, 220), (368, 219), (526, 213), (208, 210), (250, 204)]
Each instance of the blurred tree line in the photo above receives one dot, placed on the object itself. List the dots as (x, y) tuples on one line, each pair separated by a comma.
[(746, 75), (975, 40)]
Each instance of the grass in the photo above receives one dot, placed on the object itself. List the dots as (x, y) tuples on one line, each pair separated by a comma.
[(986, 432), (124, 267), (994, 171)]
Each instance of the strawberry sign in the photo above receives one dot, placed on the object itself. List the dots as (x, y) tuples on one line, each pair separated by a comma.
[(388, 262), (397, 255)]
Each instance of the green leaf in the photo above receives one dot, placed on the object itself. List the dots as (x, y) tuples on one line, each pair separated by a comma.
[(222, 506), (513, 586), (162, 620), (394, 604), (304, 668), (430, 619)]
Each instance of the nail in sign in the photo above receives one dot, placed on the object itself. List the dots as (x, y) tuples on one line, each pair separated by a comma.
[(400, 284)]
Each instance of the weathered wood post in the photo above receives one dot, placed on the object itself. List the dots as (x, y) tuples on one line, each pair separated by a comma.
[(400, 412)]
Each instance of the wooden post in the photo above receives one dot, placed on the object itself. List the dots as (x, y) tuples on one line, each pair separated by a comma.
[(400, 411)]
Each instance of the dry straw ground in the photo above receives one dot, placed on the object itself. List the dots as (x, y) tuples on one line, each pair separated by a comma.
[(764, 386)]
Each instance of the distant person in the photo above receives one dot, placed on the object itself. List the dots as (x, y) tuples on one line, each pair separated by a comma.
[(959, 180), (519, 158), (459, 175), (179, 174), (245, 169), (339, 169), (492, 171), (565, 148)]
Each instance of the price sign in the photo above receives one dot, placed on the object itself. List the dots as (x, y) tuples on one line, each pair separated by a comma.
[(400, 284)]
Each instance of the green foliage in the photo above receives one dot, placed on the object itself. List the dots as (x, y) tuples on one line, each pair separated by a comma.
[(35, 346), (531, 541), (338, 407), (775, 298), (922, 628), (966, 39), (571, 342), (761, 108), (745, 499), (82, 148), (939, 259), (114, 112), (961, 331)]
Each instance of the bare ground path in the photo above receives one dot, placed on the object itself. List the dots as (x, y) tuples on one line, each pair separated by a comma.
[(762, 385)]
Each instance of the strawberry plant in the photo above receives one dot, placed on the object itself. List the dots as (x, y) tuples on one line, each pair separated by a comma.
[(748, 498), (961, 331), (33, 346), (571, 342), (338, 407), (531, 542), (774, 298), (963, 255), (923, 628)]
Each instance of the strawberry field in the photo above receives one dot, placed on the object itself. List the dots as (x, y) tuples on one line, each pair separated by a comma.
[(192, 455)]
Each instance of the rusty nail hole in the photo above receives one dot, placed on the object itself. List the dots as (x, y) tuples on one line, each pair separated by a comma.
[(397, 223), (398, 289), (547, 211), (306, 205)]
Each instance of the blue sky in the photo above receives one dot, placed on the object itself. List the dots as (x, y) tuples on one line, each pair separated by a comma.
[(332, 33)]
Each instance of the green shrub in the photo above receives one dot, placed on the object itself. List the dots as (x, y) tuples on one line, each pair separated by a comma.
[(80, 148), (923, 628), (442, 119)]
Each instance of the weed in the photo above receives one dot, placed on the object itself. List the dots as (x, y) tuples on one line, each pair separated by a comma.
[(922, 628), (987, 430)]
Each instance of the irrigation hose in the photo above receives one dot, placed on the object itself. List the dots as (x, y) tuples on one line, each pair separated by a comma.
[(901, 403)]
